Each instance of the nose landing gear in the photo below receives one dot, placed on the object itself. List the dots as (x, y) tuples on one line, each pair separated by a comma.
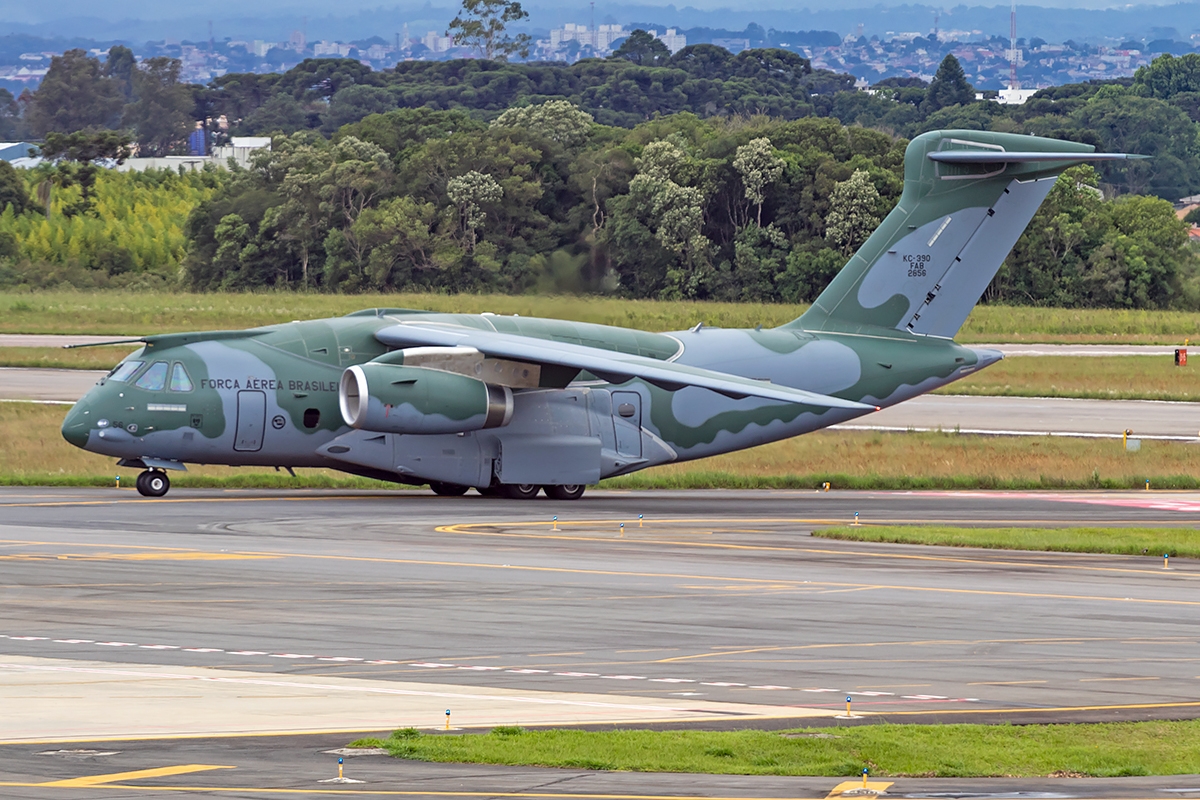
[(153, 483)]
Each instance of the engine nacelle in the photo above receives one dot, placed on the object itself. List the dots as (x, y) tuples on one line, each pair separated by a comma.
[(391, 398)]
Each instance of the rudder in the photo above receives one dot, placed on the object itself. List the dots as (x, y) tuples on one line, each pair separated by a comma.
[(968, 196)]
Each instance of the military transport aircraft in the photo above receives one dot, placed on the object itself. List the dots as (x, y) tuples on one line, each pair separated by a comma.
[(514, 405)]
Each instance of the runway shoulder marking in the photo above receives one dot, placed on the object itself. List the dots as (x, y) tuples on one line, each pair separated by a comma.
[(120, 777)]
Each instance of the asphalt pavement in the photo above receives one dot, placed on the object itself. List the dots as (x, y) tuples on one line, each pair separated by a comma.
[(303, 766), (175, 634)]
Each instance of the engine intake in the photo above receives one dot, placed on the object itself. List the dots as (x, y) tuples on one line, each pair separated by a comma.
[(391, 398)]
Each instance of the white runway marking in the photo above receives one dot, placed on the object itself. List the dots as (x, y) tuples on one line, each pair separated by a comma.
[(441, 666)]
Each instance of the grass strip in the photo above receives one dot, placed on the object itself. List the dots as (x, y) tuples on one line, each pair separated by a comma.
[(129, 313), (1122, 541), (962, 751)]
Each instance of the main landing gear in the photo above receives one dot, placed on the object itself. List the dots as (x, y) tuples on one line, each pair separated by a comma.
[(514, 491), (153, 483)]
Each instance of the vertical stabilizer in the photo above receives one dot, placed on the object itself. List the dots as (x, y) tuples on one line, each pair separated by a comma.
[(968, 196)]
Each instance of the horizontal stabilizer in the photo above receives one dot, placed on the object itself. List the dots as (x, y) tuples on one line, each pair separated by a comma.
[(1005, 157), (607, 365)]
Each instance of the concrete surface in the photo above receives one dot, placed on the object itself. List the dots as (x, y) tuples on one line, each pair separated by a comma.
[(720, 596), (1149, 419), (53, 340), (61, 385)]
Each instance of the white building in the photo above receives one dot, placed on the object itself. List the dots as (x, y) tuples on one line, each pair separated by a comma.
[(600, 39), (436, 42), (323, 48), (673, 39)]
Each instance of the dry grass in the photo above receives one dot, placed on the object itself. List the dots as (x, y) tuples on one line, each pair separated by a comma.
[(34, 452), (58, 358), (1101, 378), (123, 313), (864, 460)]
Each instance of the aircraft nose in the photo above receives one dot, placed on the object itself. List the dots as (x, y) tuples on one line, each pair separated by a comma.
[(77, 424)]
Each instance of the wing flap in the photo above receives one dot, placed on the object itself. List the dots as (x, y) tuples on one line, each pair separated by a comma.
[(607, 365)]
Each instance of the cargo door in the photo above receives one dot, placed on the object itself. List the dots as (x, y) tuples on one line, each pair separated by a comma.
[(627, 423), (251, 420)]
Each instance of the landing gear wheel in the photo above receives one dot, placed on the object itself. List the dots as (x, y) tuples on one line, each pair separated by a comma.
[(153, 483), (567, 491), (448, 489), (520, 491), (488, 491)]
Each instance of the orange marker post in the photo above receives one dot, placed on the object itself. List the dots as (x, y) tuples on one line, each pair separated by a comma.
[(848, 712), (447, 719), (340, 777)]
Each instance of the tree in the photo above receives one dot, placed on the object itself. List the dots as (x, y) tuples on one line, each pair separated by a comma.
[(81, 150), (470, 193), (852, 209), (480, 25), (119, 68), (949, 87), (161, 111), (556, 120), (73, 96), (759, 167), (10, 116), (12, 190), (642, 49)]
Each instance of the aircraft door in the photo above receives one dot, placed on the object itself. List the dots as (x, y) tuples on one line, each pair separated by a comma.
[(627, 421), (251, 421)]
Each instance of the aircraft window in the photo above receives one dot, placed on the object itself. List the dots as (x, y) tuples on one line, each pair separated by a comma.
[(312, 417), (180, 380), (123, 372), (153, 379)]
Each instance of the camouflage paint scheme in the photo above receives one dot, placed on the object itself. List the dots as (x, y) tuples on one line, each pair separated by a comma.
[(878, 335)]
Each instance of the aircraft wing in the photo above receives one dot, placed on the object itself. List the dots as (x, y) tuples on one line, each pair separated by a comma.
[(605, 364)]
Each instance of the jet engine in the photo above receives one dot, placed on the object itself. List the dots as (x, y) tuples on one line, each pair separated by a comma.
[(391, 398)]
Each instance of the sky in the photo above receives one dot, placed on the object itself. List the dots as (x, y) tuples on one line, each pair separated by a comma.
[(274, 20)]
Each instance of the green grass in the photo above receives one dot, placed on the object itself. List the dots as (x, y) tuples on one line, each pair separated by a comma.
[(1092, 377), (1123, 541), (1105, 750), (137, 313)]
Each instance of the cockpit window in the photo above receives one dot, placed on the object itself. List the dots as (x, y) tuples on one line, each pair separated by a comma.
[(153, 379), (180, 380), (123, 372)]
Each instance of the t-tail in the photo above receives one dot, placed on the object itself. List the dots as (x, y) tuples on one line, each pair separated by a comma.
[(968, 196)]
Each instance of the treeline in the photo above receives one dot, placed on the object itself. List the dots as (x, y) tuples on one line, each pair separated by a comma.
[(1154, 113), (124, 231), (545, 199)]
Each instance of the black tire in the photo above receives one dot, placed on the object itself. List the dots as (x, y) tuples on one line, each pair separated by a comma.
[(448, 489), (520, 491), (488, 491), (567, 491), (153, 483)]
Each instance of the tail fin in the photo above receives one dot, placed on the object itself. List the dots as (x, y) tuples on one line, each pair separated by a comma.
[(968, 196)]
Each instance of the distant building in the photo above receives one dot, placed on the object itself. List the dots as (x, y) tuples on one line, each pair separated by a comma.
[(17, 153), (436, 43), (198, 141), (600, 39), (331, 49), (1014, 97), (240, 149), (673, 39)]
